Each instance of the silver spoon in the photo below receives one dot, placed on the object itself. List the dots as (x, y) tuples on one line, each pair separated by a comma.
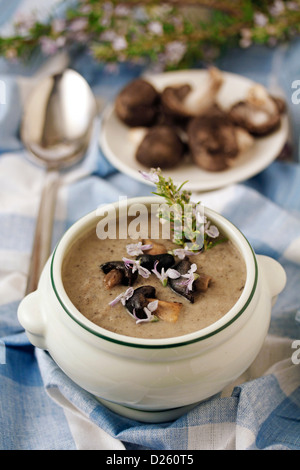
[(56, 130)]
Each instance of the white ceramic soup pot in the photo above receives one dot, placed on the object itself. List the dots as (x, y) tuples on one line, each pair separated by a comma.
[(152, 380)]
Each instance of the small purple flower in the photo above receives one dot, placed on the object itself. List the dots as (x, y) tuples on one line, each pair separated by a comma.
[(191, 276), (183, 252), (58, 25), (260, 19), (85, 8), (50, 46), (211, 230), (108, 35), (119, 43), (152, 176), (277, 8), (163, 276), (135, 249), (122, 10), (151, 307), (155, 27), (135, 265), (246, 38), (292, 6), (24, 23), (175, 51), (78, 24), (122, 297)]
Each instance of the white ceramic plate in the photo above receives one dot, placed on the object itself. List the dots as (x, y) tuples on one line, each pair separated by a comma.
[(119, 148)]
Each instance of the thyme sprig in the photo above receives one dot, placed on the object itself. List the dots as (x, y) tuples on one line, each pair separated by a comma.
[(190, 228)]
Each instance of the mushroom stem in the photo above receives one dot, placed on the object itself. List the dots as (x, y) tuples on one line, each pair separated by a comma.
[(200, 99), (137, 134), (244, 139), (167, 311), (113, 278), (202, 283), (157, 248), (259, 97)]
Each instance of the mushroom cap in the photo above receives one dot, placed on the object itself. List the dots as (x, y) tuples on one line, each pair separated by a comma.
[(172, 101), (212, 141), (139, 300), (128, 277), (280, 103), (256, 121), (177, 285), (184, 101), (259, 113), (137, 103), (161, 147), (165, 260)]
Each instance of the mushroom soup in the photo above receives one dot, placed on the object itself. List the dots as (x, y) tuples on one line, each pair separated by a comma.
[(155, 294)]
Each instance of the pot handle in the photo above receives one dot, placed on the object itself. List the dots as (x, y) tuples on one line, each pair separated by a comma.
[(31, 318), (274, 275)]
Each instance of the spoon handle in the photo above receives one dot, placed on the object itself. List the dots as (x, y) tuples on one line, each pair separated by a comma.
[(43, 232)]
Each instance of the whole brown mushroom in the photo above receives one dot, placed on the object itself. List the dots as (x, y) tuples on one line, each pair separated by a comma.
[(259, 113), (215, 142), (211, 142), (137, 103), (161, 147), (172, 103), (182, 102)]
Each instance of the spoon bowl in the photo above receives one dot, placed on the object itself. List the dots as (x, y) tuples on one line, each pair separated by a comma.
[(57, 122), (56, 130)]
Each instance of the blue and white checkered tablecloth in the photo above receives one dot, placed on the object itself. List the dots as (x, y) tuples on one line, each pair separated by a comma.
[(40, 408)]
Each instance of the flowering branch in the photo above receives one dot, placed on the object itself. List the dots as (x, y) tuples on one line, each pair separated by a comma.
[(190, 227), (173, 34)]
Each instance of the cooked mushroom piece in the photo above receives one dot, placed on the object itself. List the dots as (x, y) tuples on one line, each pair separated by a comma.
[(139, 300), (113, 278), (183, 101), (137, 103), (167, 311), (120, 274), (179, 284), (142, 296), (161, 147), (203, 282), (259, 113), (156, 248), (165, 260)]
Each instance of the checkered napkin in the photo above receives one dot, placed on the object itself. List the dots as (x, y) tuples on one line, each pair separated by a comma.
[(41, 408)]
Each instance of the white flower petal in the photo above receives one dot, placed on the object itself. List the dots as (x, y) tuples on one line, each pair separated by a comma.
[(212, 232), (173, 274), (122, 297), (152, 306)]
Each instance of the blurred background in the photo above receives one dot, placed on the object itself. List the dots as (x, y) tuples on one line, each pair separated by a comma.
[(111, 42)]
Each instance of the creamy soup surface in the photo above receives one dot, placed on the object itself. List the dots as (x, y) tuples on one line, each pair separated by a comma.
[(83, 280)]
